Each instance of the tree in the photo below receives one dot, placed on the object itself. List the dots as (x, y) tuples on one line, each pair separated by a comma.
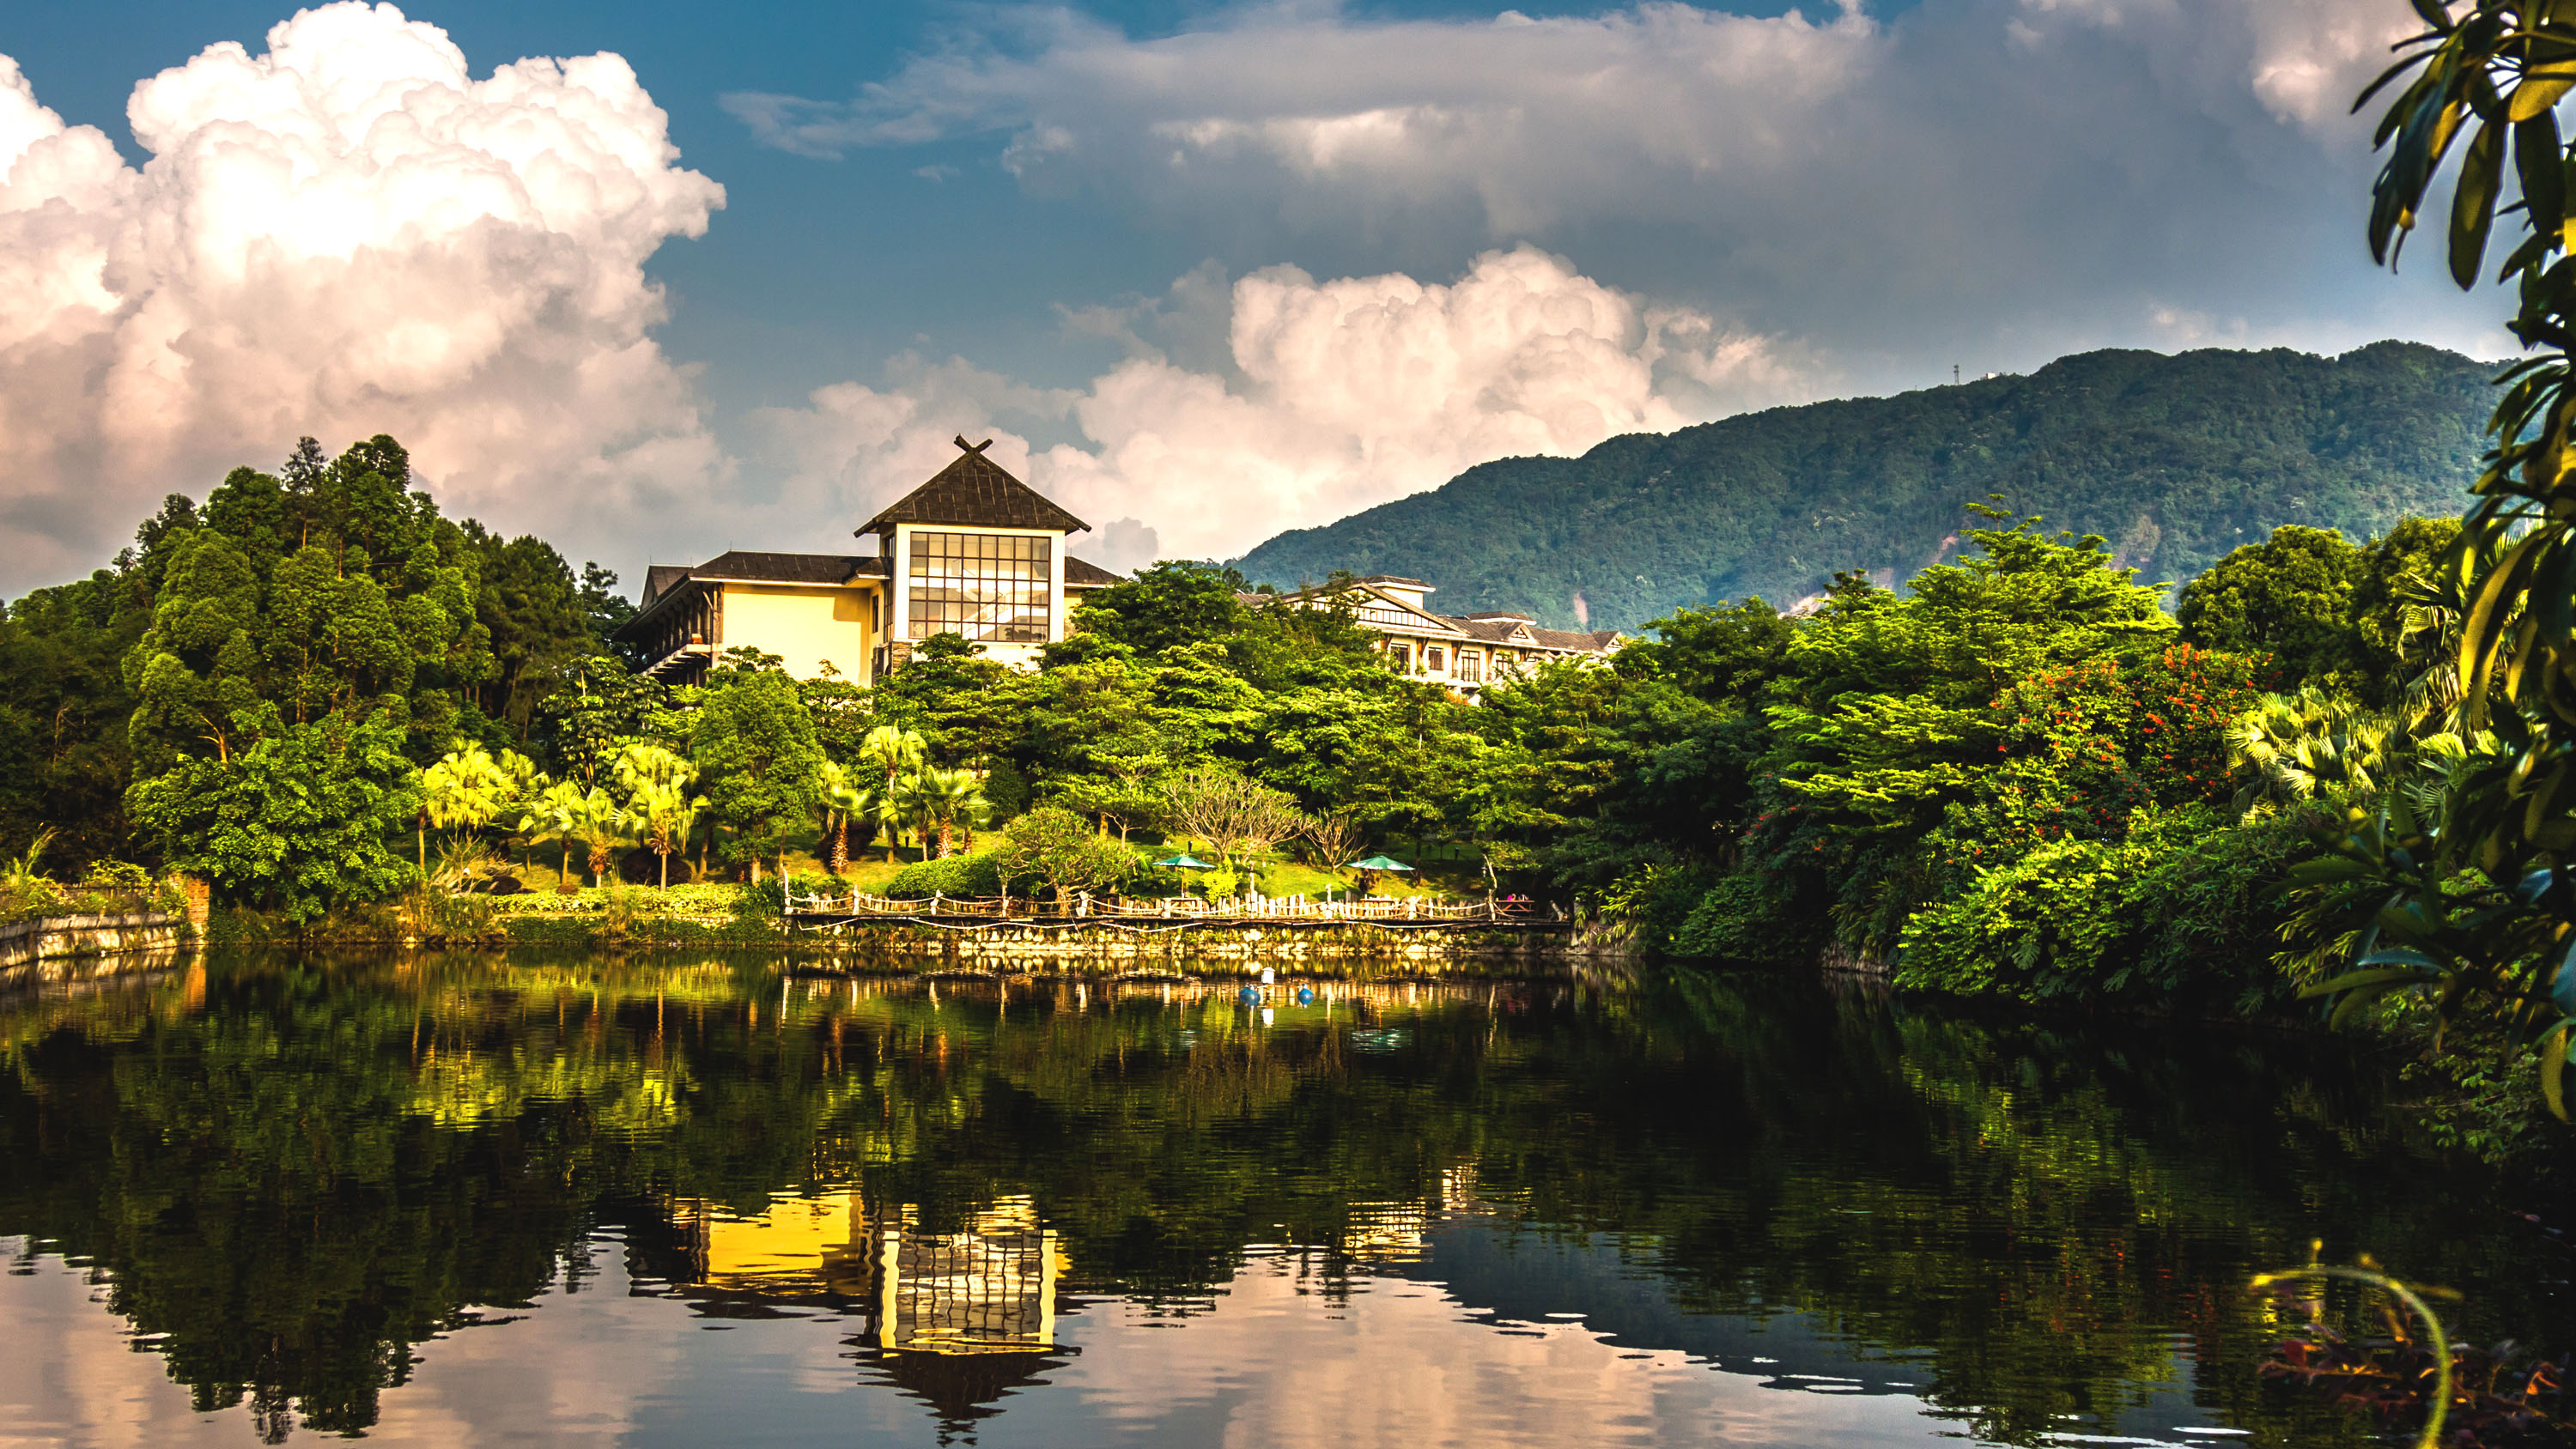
[(1238, 817), (1057, 847), (298, 821), (659, 804), (464, 791), (755, 744), (558, 813), (601, 824), (898, 752), (844, 800), (942, 799), (2290, 596), (1172, 603), (1334, 838), (2487, 78)]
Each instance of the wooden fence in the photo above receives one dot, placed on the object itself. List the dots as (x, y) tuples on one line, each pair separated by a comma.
[(1085, 908)]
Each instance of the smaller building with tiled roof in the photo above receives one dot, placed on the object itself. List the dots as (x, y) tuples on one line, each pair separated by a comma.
[(1466, 652)]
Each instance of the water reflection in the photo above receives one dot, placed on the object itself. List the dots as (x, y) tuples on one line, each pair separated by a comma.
[(723, 1201)]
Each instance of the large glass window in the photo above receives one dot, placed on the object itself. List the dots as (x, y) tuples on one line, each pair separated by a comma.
[(1471, 666), (990, 587)]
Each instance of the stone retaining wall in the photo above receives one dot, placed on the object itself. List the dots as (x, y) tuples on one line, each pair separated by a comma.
[(26, 947)]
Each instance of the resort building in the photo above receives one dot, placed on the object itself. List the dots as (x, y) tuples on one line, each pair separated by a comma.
[(977, 552), (1463, 651), (974, 551)]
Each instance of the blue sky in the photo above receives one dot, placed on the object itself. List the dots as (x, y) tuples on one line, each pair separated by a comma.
[(1208, 270)]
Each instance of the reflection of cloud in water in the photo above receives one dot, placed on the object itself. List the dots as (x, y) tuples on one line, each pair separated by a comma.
[(1276, 1363)]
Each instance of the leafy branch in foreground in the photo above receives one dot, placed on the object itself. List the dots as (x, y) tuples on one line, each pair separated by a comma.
[(2479, 904)]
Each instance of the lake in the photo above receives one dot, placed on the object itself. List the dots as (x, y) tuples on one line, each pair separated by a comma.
[(466, 1200)]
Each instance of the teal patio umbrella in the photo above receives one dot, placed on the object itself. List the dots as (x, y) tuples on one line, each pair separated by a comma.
[(1380, 862), (1186, 862)]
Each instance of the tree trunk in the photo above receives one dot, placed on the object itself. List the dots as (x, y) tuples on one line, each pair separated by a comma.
[(943, 839), (563, 876), (664, 857), (841, 847), (598, 865)]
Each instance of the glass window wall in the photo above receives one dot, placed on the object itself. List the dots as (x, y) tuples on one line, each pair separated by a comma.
[(990, 587)]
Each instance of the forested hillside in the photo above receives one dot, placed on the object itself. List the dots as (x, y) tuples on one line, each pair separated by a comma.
[(2175, 460)]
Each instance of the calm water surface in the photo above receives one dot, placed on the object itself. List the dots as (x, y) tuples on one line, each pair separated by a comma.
[(466, 1201)]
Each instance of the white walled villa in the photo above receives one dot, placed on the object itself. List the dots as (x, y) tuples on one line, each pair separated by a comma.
[(978, 553), (1463, 651)]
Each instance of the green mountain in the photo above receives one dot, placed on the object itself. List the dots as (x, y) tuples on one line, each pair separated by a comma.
[(2175, 460)]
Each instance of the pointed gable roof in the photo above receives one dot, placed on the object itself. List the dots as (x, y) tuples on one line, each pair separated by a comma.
[(975, 492)]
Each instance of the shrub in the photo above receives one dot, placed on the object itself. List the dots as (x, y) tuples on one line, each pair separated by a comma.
[(958, 875), (1742, 921), (2175, 915)]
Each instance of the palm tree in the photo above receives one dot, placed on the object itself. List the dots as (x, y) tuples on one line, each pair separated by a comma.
[(663, 815), (658, 803), (556, 815), (941, 798), (601, 825), (527, 782), (464, 790), (2312, 744), (844, 801), (898, 752)]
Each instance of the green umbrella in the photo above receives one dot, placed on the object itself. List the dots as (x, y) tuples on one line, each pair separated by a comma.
[(1186, 862), (1380, 862)]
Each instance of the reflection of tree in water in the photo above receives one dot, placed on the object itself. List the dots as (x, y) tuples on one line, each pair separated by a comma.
[(297, 1173)]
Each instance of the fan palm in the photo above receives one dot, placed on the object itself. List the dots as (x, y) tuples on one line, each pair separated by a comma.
[(556, 814), (601, 825), (843, 802), (939, 799), (464, 790), (898, 752), (658, 802), (2309, 745)]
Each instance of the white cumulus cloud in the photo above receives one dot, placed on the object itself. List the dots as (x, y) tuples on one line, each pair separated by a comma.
[(1330, 397), (347, 234)]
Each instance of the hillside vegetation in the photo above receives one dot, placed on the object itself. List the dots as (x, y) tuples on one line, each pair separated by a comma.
[(2175, 460)]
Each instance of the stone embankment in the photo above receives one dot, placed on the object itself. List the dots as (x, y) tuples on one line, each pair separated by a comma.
[(47, 947)]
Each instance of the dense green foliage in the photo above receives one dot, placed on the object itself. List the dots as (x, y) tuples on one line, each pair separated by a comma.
[(2176, 460), (330, 597), (2017, 776)]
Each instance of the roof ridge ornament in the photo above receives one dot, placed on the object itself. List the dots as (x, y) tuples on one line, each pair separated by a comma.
[(975, 448)]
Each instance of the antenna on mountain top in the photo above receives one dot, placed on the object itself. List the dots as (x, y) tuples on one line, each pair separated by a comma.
[(972, 447), (1954, 382)]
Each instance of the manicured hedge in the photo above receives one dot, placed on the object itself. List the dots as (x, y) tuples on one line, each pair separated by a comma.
[(958, 875)]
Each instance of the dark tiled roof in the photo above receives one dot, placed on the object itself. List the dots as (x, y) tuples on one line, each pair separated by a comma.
[(662, 580), (659, 579), (1498, 630), (1080, 575), (975, 492), (788, 568), (1489, 630)]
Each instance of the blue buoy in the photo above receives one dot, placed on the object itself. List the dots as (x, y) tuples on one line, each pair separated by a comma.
[(1252, 993), (1305, 996)]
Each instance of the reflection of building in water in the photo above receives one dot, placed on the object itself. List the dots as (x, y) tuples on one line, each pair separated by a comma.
[(987, 1288), (1386, 1232), (957, 1319)]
